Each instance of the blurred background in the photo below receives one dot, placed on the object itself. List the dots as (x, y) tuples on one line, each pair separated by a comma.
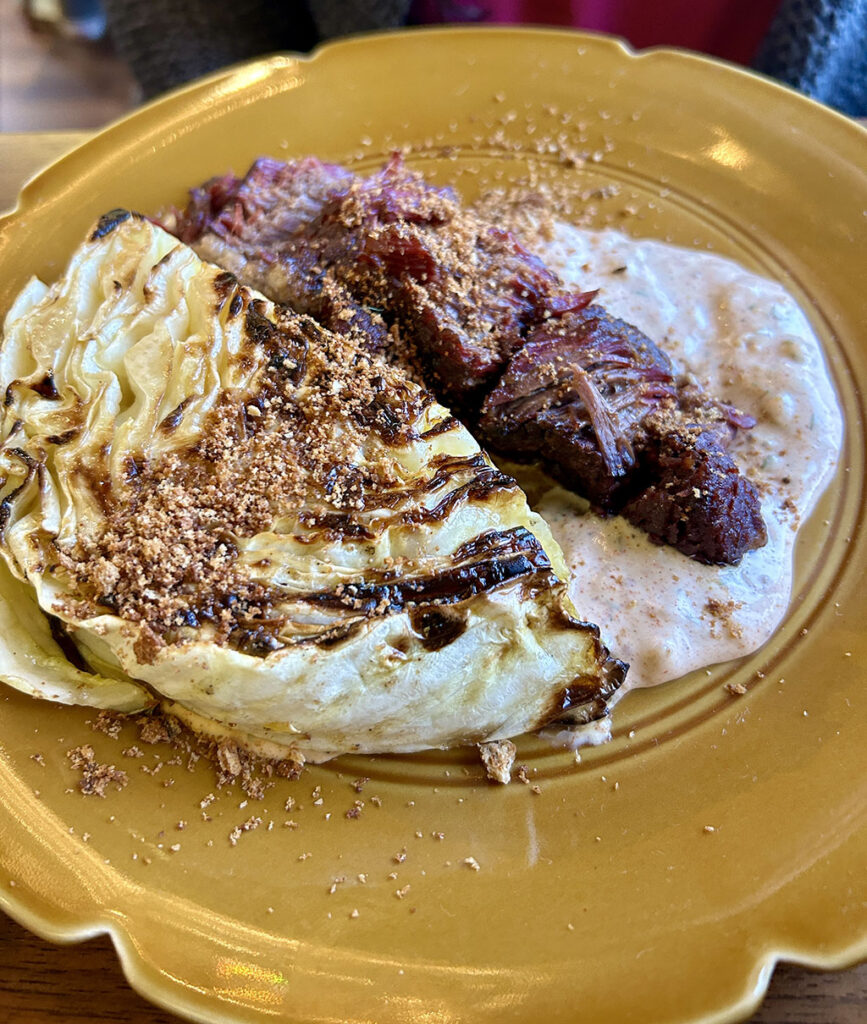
[(73, 64), (53, 78)]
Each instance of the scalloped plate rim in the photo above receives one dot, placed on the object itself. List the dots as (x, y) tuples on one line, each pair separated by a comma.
[(277, 60), (16, 905)]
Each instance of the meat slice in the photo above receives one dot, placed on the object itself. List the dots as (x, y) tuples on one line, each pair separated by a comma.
[(537, 370), (602, 406), (463, 292), (270, 203), (579, 391), (267, 228), (698, 502), (390, 248)]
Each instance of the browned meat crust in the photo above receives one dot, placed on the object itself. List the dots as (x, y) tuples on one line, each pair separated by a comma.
[(537, 371), (442, 289), (698, 501), (579, 391), (602, 407)]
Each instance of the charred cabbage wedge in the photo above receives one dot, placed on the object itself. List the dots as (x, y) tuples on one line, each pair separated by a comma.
[(211, 502)]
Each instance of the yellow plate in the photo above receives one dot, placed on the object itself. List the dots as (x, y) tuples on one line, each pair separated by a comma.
[(601, 898)]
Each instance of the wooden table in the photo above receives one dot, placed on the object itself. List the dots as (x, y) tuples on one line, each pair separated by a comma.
[(40, 982)]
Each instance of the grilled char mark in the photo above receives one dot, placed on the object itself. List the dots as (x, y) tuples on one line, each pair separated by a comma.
[(109, 221), (449, 587), (391, 411), (46, 387), (170, 423), (8, 501), (225, 284), (339, 526), (33, 467), (258, 641), (449, 466), (383, 418), (511, 541), (437, 627), (285, 345), (490, 561), (228, 289), (67, 645), (487, 482), (443, 427), (586, 698), (64, 438), (25, 457)]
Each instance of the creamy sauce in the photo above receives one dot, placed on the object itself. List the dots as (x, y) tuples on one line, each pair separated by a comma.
[(746, 339)]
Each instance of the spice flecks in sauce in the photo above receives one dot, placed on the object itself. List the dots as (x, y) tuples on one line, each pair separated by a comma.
[(747, 340)]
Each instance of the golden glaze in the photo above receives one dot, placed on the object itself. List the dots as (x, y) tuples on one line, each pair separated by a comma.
[(670, 922)]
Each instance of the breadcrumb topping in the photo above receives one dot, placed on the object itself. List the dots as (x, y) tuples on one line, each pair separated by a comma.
[(167, 558), (95, 777), (498, 756)]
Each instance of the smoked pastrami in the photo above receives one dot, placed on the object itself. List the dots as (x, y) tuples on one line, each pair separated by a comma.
[(602, 407), (538, 371)]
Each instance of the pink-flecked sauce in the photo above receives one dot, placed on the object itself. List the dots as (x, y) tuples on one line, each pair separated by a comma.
[(747, 340)]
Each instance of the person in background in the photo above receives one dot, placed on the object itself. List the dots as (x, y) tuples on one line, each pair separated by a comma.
[(817, 46)]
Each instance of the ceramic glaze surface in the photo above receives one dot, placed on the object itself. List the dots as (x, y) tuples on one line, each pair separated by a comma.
[(659, 878)]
